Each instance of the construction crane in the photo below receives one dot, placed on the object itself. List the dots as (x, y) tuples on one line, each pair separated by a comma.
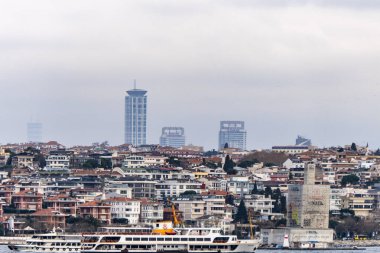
[(176, 221)]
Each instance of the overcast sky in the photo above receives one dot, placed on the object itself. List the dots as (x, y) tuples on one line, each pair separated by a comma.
[(284, 67)]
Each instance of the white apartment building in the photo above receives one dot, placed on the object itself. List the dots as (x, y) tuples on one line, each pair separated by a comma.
[(259, 203), (57, 162), (191, 207), (158, 173), (215, 204), (239, 185), (133, 161), (151, 211), (23, 161), (336, 196), (218, 184), (119, 189), (155, 161), (174, 188), (126, 208)]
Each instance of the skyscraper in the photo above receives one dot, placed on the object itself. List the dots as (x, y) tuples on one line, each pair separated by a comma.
[(135, 117), (172, 137), (232, 133), (34, 132)]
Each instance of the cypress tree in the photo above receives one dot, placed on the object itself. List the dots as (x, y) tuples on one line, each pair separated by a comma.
[(242, 214)]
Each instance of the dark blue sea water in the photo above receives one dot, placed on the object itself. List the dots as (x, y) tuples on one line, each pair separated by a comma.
[(4, 249)]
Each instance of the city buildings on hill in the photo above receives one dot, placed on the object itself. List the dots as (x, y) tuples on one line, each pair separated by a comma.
[(135, 120), (172, 137), (233, 134), (298, 193)]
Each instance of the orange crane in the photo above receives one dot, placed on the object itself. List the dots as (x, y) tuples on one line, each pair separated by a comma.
[(176, 221)]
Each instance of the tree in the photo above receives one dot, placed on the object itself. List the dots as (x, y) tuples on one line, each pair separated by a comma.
[(377, 152), (106, 163), (350, 179), (226, 145), (91, 164), (255, 190), (353, 147), (41, 160), (242, 214), (174, 161), (189, 192), (79, 224), (229, 165), (120, 220), (280, 223), (230, 200), (283, 204), (268, 191), (247, 163)]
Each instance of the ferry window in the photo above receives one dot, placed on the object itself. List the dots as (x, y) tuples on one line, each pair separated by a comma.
[(168, 239), (207, 239), (128, 238), (144, 239), (136, 239), (160, 239), (200, 239), (175, 239), (192, 239), (184, 239), (152, 239)]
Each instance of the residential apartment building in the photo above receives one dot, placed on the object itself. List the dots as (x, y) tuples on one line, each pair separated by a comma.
[(57, 162), (50, 219), (361, 203), (174, 188), (151, 211), (27, 200), (215, 204), (96, 209), (23, 160), (124, 208), (192, 207), (141, 188), (64, 204), (259, 203)]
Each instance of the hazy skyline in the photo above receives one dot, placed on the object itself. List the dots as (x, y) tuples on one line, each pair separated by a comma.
[(284, 67)]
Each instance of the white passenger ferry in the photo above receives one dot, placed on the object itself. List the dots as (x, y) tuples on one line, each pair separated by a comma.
[(52, 242), (164, 239)]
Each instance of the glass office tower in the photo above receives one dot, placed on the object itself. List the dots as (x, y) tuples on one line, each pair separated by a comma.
[(172, 137), (135, 117), (232, 133)]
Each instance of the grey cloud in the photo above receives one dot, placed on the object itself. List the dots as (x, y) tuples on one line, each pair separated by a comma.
[(285, 67)]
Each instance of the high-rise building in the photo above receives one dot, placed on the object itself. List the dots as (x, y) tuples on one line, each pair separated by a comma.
[(232, 133), (34, 132), (135, 117), (172, 137), (302, 141)]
